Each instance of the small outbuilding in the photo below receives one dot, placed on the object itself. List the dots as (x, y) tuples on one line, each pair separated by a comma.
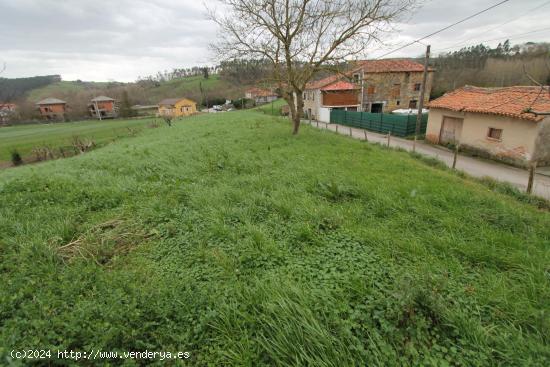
[(176, 107), (498, 123), (103, 107), (52, 109)]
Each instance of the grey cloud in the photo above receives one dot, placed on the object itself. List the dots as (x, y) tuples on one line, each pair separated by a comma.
[(107, 39)]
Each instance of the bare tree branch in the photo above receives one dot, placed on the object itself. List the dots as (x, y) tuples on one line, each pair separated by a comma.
[(301, 38)]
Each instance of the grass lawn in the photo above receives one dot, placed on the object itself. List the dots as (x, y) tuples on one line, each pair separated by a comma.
[(272, 108), (24, 138), (227, 237)]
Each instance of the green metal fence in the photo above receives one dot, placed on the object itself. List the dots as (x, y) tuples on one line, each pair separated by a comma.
[(399, 125)]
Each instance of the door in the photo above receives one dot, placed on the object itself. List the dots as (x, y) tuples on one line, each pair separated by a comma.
[(451, 130), (376, 107)]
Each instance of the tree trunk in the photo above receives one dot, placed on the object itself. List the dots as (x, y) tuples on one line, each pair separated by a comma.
[(299, 111), (296, 107)]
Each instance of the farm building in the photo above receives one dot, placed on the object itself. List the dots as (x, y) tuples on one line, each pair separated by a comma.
[(260, 95), (103, 107), (322, 96), (176, 107), (52, 109), (494, 122)]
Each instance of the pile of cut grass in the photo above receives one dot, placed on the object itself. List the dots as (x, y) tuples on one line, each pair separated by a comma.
[(228, 237)]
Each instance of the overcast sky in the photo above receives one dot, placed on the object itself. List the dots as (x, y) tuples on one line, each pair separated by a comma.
[(120, 40)]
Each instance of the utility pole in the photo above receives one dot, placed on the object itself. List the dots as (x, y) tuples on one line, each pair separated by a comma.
[(97, 111), (532, 168), (421, 99)]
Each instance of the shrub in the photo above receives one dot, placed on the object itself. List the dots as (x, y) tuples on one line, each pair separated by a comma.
[(16, 159)]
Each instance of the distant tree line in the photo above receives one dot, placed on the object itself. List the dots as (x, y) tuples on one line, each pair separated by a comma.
[(484, 66), (13, 89), (177, 73)]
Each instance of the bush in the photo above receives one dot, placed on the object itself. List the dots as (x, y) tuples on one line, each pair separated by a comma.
[(16, 159)]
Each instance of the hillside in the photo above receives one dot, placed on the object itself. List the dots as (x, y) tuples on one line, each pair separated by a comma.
[(78, 93), (64, 88), (227, 237)]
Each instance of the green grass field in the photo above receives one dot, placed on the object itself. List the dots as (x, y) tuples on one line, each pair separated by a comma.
[(24, 138), (227, 237)]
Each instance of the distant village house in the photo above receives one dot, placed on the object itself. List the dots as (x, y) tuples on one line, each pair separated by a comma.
[(176, 107), (260, 95), (103, 107), (7, 111), (494, 122), (52, 109)]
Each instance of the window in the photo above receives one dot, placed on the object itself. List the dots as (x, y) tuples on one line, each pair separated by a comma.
[(412, 104), (397, 102), (417, 87), (356, 78), (396, 90), (494, 134)]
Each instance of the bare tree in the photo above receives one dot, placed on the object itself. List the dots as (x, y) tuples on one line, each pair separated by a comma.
[(301, 37)]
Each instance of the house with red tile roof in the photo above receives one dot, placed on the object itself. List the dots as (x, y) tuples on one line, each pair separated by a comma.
[(333, 92), (391, 84), (500, 123), (52, 109), (260, 95), (7, 111), (371, 86)]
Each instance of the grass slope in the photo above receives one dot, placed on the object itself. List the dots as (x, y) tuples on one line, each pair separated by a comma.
[(229, 238), (24, 138)]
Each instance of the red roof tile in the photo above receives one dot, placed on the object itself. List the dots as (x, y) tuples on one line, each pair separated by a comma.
[(391, 65), (340, 85), (318, 84), (507, 101)]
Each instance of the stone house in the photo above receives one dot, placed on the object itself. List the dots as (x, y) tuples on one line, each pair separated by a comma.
[(497, 123), (388, 85)]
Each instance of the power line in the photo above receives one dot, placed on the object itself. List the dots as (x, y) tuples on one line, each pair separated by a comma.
[(444, 29), (519, 35), (465, 40)]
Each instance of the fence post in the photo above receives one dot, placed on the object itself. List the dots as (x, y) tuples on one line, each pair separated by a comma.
[(336, 128), (365, 131), (317, 123), (389, 136), (455, 155), (532, 168), (350, 132)]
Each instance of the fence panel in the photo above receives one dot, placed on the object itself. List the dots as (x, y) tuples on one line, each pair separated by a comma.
[(399, 125)]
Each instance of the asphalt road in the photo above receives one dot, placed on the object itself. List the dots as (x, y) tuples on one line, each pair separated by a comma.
[(473, 166)]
